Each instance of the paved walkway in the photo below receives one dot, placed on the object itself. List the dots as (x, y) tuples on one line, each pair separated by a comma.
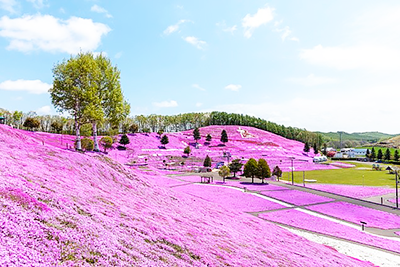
[(336, 197)]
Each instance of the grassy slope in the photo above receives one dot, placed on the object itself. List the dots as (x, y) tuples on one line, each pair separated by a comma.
[(66, 208), (365, 136)]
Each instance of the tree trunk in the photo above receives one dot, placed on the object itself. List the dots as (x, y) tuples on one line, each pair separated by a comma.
[(96, 142), (78, 135)]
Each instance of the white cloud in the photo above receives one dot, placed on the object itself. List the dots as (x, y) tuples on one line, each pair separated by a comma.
[(45, 32), (225, 28), (199, 104), (30, 86), (312, 80), (285, 33), (101, 10), (166, 104), (45, 110), (251, 22), (37, 3), (304, 112), (8, 5), (118, 55), (175, 27), (233, 87), (353, 57), (179, 7), (196, 42), (198, 87)]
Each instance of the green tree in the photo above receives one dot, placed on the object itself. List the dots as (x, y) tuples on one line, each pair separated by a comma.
[(187, 151), (235, 166), (324, 151), (373, 155), (263, 170), (224, 137), (86, 130), (106, 142), (367, 154), (277, 172), (73, 88), (31, 123), (124, 140), (160, 132), (387, 154), (380, 154), (146, 130), (134, 128), (396, 155), (196, 134), (306, 147), (57, 126), (251, 169), (164, 140), (208, 138), (224, 172), (207, 162), (17, 116), (315, 148)]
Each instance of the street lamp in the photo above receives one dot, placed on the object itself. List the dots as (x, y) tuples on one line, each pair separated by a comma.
[(292, 158), (397, 191)]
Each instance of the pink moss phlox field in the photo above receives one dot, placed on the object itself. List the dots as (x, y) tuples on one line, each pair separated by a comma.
[(296, 197), (229, 198), (355, 214), (256, 187), (63, 208), (319, 225), (354, 191)]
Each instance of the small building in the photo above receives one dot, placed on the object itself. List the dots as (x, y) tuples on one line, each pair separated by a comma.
[(351, 153), (2, 120)]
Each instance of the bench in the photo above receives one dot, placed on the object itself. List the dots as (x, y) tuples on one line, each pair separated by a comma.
[(206, 179)]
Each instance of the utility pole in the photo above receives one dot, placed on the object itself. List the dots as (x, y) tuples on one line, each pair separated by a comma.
[(397, 191), (340, 134)]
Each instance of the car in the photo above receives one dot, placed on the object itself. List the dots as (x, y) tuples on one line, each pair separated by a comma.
[(378, 161)]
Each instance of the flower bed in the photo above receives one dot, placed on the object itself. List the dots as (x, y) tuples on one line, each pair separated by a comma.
[(229, 198), (354, 191), (319, 225), (355, 214), (296, 197), (342, 165)]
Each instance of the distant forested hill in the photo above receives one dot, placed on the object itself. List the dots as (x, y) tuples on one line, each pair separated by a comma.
[(354, 139)]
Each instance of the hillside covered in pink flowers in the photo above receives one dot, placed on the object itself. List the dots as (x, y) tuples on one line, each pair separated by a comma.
[(60, 207)]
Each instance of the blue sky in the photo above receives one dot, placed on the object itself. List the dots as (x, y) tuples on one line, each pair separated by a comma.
[(319, 65)]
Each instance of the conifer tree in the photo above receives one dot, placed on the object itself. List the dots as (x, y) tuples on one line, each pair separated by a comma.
[(207, 162), (164, 140), (373, 155), (196, 134), (224, 137), (396, 155), (208, 138), (187, 151), (380, 154), (306, 147), (387, 154)]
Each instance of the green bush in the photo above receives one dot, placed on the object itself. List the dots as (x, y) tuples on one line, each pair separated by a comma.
[(87, 144), (106, 142)]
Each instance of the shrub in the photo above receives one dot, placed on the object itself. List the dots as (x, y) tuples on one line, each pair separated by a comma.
[(164, 140), (134, 128), (196, 134), (187, 150), (87, 144), (31, 123), (277, 172), (106, 142), (208, 138), (306, 147), (124, 140), (56, 126)]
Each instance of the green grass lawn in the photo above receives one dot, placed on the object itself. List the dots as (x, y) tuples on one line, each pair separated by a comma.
[(350, 176)]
